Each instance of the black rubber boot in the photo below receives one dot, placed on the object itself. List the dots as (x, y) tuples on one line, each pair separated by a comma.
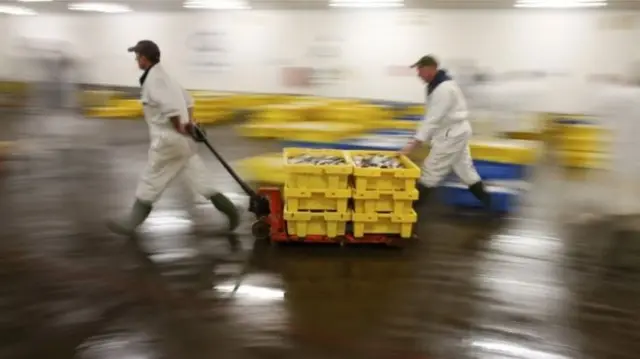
[(478, 190), (423, 195), (127, 226), (224, 205)]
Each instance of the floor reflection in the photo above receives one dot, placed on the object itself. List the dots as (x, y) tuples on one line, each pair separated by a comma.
[(532, 288)]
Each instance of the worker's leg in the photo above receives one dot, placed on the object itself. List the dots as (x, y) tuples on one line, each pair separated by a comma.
[(161, 169), (467, 173), (435, 168), (200, 178)]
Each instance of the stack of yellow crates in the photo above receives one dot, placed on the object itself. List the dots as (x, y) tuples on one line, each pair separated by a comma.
[(321, 199), (383, 197), (316, 196)]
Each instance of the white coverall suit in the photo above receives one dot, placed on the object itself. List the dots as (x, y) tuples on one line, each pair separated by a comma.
[(170, 152), (446, 128)]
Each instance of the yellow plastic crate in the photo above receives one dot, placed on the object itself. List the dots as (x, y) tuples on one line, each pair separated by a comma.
[(265, 168), (300, 199), (524, 136), (114, 112), (385, 179), (520, 152), (384, 201), (414, 110), (316, 177), (330, 224), (589, 160), (384, 223), (582, 144)]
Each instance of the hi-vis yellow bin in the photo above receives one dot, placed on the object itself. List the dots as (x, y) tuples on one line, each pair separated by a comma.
[(384, 223), (316, 177), (301, 199), (385, 179), (396, 202), (588, 160), (330, 224)]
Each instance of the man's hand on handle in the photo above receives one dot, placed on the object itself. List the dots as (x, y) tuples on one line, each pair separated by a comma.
[(410, 147), (197, 132)]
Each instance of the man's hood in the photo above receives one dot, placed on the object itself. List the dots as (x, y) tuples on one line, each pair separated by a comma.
[(440, 77)]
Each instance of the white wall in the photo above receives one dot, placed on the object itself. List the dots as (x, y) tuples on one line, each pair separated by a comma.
[(257, 44)]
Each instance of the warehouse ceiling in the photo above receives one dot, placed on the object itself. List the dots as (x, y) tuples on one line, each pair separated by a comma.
[(45, 6)]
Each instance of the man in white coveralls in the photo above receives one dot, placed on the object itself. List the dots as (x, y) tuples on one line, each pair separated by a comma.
[(446, 129), (168, 111)]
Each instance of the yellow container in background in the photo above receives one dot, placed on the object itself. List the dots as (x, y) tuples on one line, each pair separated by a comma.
[(330, 224), (583, 144), (384, 201), (300, 199), (384, 223), (505, 151), (385, 179), (587, 160), (415, 110), (266, 168), (316, 177)]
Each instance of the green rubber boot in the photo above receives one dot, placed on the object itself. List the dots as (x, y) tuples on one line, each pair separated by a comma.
[(128, 225), (224, 205)]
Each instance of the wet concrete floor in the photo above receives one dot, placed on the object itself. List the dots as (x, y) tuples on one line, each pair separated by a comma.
[(535, 287)]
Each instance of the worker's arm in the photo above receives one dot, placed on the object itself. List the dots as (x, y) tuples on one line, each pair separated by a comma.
[(189, 101), (160, 93), (439, 106)]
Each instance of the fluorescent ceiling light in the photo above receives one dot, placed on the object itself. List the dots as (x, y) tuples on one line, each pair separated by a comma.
[(216, 4), (35, 0), (366, 3), (109, 8), (560, 4), (15, 10)]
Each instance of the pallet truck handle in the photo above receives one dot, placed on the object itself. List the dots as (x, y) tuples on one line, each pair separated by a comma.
[(199, 135)]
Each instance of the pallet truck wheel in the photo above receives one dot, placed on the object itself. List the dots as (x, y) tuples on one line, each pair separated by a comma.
[(260, 230)]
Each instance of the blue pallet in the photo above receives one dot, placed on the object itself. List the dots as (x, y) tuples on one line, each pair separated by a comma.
[(498, 171), (381, 142), (416, 118), (502, 200), (394, 132)]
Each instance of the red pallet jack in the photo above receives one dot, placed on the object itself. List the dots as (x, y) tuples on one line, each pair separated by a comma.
[(268, 207)]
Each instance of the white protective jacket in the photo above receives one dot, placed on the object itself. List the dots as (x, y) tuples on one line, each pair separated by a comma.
[(162, 98), (445, 108), (446, 128), (170, 153)]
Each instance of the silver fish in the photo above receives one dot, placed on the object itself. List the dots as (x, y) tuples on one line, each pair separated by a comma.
[(377, 161), (317, 160)]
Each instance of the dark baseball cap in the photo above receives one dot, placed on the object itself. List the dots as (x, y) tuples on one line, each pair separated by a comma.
[(146, 48), (426, 60)]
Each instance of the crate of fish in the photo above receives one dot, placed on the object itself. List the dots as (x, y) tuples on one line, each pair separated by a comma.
[(383, 171), (303, 199), (375, 201), (316, 169), (384, 223), (302, 224)]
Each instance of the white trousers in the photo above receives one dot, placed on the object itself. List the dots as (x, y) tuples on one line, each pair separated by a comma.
[(169, 158), (450, 151)]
